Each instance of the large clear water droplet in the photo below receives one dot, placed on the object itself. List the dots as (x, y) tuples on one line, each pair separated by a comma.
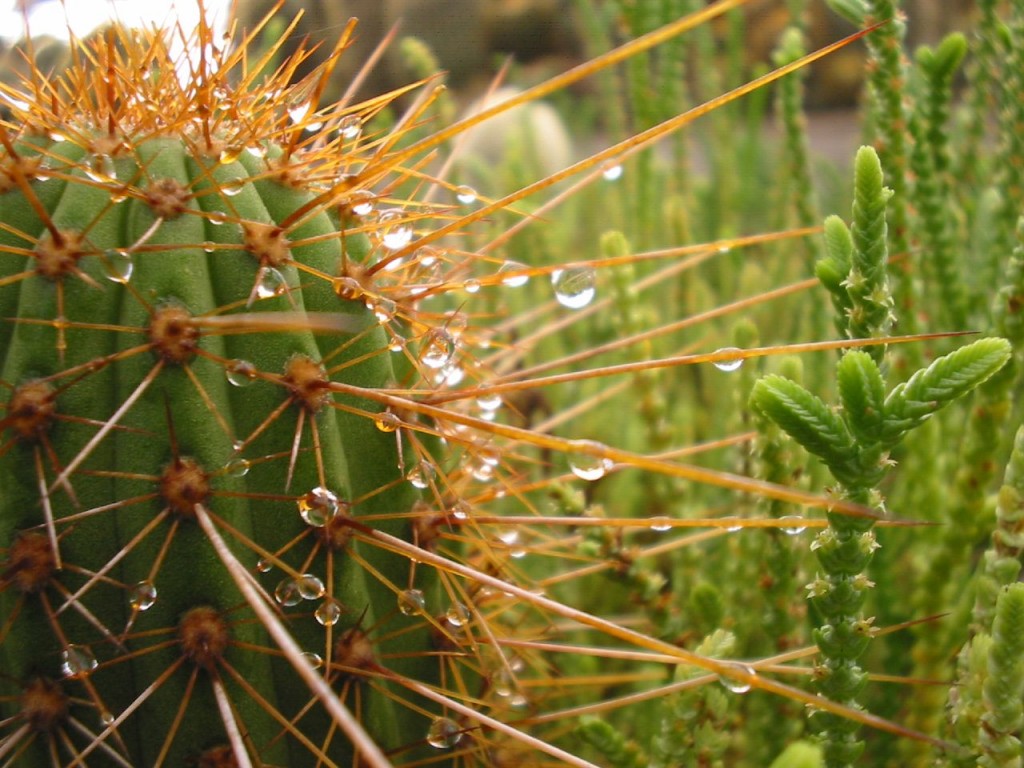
[(733, 684), (270, 283), (584, 463), (310, 587), (796, 525), (142, 596), (118, 265), (444, 733), (313, 659), (661, 524), (574, 286), (318, 506), (286, 593), (350, 127), (101, 169), (457, 614), (438, 348), (383, 309), (329, 612), (237, 467), (515, 280), (411, 602), (421, 475), (77, 661), (728, 365), (361, 201), (241, 373), (465, 194), (394, 232), (298, 113), (460, 510)]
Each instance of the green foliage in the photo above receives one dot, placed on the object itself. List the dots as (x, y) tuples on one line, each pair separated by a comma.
[(1004, 687), (597, 518)]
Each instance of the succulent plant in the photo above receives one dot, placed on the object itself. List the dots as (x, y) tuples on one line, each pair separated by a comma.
[(190, 325)]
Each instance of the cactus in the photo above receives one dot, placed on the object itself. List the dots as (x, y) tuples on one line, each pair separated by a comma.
[(188, 330)]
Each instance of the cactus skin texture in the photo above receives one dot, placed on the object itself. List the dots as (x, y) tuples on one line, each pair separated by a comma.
[(183, 343)]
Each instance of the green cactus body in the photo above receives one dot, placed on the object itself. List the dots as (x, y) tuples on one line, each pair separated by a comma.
[(133, 399)]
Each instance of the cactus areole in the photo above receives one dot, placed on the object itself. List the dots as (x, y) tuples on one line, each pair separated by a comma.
[(186, 325)]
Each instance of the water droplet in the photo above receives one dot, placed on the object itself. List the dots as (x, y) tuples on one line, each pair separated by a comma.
[(241, 373), (421, 475), (426, 256), (733, 528), (451, 375), (437, 349), (101, 168), (444, 733), (216, 217), (77, 661), (318, 506), (209, 246), (142, 596), (465, 194), (612, 172), (106, 717), (257, 150), (383, 309), (489, 402), (728, 365), (460, 510), (299, 112), (328, 613), (386, 421), (574, 286), (313, 659), (394, 232), (270, 283), (733, 684), (457, 615), (350, 126), (310, 587), (585, 464), (229, 154), (508, 536), (792, 530), (411, 602), (237, 467), (264, 565), (287, 592), (471, 286), (232, 188), (362, 202), (661, 524), (481, 471), (515, 280), (118, 265)]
